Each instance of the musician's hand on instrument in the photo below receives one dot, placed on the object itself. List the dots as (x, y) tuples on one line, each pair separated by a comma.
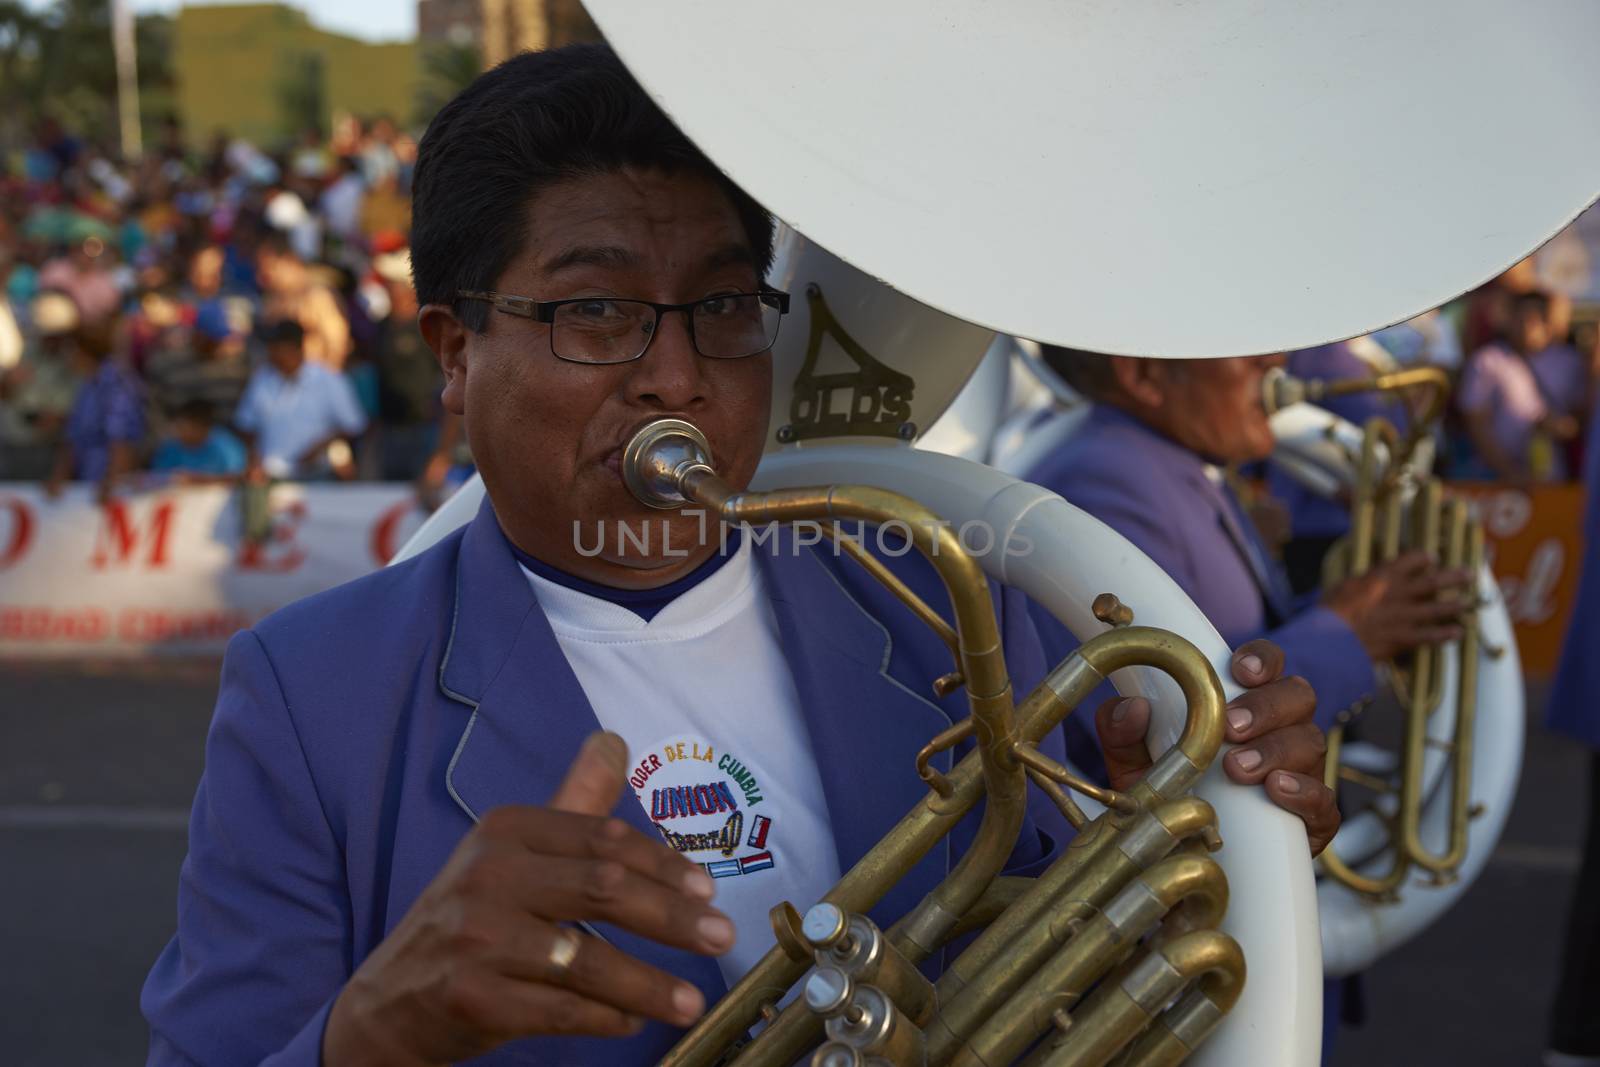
[(480, 959), (1282, 748), (1401, 604)]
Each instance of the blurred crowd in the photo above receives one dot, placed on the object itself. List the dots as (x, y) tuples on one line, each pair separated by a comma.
[(1524, 366), (233, 314), (239, 314)]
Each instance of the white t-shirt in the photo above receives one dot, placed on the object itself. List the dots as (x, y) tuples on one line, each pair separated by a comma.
[(722, 760)]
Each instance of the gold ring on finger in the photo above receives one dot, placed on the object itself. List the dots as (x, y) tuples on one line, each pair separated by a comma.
[(563, 950)]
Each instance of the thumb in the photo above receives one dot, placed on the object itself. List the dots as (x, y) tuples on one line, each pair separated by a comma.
[(1121, 724), (593, 784)]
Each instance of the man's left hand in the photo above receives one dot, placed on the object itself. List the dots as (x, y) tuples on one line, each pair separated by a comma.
[(1281, 748)]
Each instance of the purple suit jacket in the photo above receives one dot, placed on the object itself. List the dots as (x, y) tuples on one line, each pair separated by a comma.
[(1156, 494), (360, 733)]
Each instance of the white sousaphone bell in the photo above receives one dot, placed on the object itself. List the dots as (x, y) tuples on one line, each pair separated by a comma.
[(1164, 180)]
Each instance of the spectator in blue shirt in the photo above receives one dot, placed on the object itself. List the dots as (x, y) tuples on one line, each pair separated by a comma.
[(297, 417), (197, 451), (106, 424)]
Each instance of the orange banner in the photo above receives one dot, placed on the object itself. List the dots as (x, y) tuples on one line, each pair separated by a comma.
[(1535, 540)]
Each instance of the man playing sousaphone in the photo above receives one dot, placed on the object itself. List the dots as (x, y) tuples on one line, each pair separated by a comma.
[(1148, 462), (411, 844)]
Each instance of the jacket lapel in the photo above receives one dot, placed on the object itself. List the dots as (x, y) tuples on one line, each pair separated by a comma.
[(1241, 532), (865, 726), (529, 714)]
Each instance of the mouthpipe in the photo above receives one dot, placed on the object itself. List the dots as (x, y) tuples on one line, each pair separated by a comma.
[(1279, 388)]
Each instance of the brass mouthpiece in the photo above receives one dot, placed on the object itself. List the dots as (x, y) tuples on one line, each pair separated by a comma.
[(1279, 389), (659, 456)]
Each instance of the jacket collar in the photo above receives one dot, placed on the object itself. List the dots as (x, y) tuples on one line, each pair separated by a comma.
[(1192, 467), (1105, 418)]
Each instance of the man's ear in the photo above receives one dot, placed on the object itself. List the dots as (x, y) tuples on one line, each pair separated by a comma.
[(448, 337), (1142, 381)]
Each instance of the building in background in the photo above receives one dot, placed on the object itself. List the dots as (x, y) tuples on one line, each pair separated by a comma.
[(455, 22), (264, 72), (500, 29)]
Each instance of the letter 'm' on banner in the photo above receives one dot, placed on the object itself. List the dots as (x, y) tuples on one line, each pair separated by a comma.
[(119, 538)]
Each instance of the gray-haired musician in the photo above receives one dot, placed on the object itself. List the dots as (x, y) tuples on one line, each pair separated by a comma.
[(411, 844)]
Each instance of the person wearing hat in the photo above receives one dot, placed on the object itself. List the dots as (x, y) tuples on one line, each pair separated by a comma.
[(36, 392)]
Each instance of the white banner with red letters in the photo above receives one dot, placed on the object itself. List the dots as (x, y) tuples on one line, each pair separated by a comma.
[(169, 571)]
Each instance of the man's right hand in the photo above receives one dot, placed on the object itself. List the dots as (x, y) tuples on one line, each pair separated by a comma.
[(1401, 604), (474, 962)]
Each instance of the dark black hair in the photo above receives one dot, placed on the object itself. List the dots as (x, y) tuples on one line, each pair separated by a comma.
[(196, 408), (273, 331), (1534, 299), (1087, 372), (536, 119), (275, 242)]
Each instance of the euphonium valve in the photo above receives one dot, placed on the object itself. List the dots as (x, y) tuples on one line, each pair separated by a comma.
[(1071, 939)]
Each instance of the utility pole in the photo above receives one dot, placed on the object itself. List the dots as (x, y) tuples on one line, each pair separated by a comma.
[(122, 45)]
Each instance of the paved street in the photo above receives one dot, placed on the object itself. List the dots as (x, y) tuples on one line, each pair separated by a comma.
[(98, 765)]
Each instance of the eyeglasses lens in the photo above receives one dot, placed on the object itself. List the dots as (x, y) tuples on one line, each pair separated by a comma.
[(616, 331)]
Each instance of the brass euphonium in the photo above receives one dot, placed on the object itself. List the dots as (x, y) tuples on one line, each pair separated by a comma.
[(1112, 954), (1398, 506)]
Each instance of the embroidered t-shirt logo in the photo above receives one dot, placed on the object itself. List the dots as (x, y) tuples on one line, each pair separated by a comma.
[(706, 804)]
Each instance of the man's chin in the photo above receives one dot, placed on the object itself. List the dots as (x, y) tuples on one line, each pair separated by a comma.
[(648, 564), (636, 536)]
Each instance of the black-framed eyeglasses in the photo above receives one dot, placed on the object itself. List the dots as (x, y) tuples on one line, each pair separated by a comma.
[(593, 329)]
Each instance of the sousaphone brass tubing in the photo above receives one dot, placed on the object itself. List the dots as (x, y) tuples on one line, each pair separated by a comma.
[(1380, 533), (668, 464)]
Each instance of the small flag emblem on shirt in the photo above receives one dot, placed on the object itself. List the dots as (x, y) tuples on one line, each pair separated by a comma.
[(758, 831), (758, 862), (726, 868)]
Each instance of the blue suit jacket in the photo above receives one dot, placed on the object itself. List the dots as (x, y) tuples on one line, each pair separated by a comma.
[(1574, 706), (360, 733), (1156, 494)]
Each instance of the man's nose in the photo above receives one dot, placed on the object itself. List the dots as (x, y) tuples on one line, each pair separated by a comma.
[(670, 375)]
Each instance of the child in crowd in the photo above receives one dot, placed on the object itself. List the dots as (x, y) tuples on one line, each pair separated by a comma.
[(197, 451), (1521, 398)]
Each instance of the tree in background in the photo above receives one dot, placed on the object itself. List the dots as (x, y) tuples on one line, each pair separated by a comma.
[(302, 92), (57, 62), (447, 68)]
